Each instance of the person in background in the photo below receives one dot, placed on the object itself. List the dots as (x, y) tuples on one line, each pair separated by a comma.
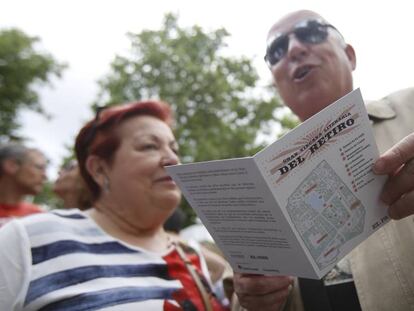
[(312, 66), (22, 173), (175, 223), (216, 264), (70, 187), (115, 255)]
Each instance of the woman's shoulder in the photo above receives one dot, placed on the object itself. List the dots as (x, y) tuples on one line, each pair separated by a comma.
[(61, 224), (53, 216)]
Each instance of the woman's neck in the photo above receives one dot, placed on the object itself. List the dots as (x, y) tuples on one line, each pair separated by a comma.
[(70, 200), (154, 239)]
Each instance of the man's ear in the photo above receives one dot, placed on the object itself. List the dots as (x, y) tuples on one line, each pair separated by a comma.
[(350, 53), (10, 166), (96, 167)]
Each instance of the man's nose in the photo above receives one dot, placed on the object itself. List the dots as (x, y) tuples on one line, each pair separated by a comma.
[(296, 49)]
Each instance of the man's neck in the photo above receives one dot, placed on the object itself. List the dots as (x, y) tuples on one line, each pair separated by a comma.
[(9, 195)]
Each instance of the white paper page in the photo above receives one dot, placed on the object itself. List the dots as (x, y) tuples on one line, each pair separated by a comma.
[(238, 209), (320, 173)]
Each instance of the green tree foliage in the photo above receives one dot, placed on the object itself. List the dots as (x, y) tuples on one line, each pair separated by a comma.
[(217, 104), (22, 68), (214, 97)]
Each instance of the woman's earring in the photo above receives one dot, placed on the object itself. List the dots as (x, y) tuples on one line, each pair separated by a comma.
[(106, 185)]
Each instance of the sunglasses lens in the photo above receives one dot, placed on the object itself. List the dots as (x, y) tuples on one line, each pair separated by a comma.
[(277, 49), (69, 166), (312, 32)]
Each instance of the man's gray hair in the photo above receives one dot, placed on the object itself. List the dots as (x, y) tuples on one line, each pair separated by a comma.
[(14, 151)]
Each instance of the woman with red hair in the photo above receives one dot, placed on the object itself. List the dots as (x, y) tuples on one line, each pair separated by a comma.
[(115, 255)]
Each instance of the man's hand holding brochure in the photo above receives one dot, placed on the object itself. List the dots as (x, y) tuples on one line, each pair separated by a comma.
[(299, 205)]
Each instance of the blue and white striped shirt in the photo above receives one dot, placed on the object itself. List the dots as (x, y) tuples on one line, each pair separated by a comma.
[(64, 261)]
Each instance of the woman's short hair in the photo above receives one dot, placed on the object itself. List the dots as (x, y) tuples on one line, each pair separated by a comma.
[(100, 136)]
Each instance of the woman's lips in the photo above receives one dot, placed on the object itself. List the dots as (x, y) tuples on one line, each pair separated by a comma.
[(165, 179)]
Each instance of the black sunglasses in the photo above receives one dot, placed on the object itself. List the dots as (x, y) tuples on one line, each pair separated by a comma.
[(97, 124), (70, 165), (309, 31)]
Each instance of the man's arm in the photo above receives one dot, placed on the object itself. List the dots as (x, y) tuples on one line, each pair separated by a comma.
[(398, 163)]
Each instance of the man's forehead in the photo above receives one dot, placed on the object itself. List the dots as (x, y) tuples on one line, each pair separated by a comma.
[(287, 22), (36, 154)]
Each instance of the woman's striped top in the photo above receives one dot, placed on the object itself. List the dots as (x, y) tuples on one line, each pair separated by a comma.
[(63, 261)]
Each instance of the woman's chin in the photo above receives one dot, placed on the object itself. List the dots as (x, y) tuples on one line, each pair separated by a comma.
[(171, 199)]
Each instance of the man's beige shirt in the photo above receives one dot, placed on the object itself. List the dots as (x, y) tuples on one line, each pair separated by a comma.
[(383, 265)]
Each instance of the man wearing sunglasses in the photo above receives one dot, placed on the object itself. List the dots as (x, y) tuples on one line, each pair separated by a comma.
[(312, 66)]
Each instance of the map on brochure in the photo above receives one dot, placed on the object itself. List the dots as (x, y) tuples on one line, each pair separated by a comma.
[(299, 205)]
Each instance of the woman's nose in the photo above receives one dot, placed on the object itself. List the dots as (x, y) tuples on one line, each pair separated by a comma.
[(170, 158)]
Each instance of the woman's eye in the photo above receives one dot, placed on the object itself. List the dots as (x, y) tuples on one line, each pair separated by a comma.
[(149, 147), (175, 150)]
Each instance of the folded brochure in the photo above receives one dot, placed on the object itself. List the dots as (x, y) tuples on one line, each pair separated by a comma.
[(299, 205)]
